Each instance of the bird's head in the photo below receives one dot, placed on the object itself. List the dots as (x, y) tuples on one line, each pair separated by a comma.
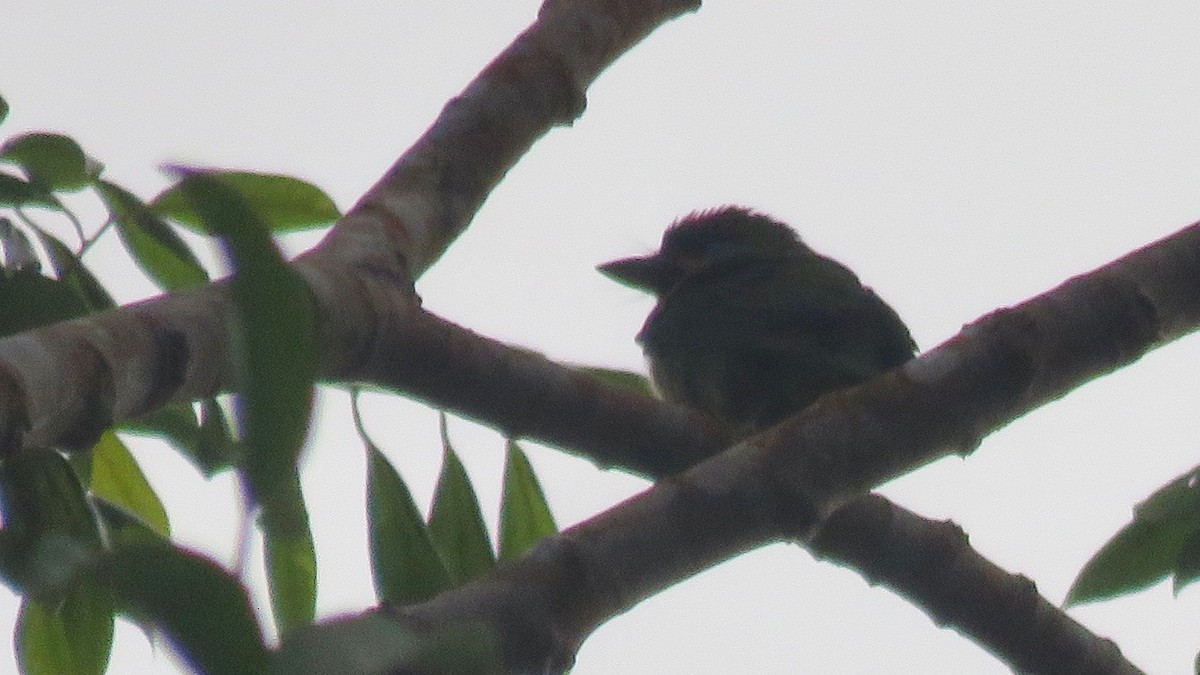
[(702, 240)]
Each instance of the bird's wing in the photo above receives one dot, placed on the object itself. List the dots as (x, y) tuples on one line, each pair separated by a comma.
[(811, 312)]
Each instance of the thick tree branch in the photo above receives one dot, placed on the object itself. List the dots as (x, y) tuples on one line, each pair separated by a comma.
[(782, 484), (1010, 362), (61, 385), (430, 195), (524, 394)]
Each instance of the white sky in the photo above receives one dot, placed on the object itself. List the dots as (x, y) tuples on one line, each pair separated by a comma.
[(960, 157)]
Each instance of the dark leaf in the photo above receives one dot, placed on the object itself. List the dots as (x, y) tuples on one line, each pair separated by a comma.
[(71, 270), (123, 525), (81, 463), (1187, 567), (216, 448), (404, 562), (197, 605), (28, 300), (40, 493), (3, 109), (456, 523), (52, 161), (16, 191), (207, 443), (156, 248), (50, 530), (175, 423), (524, 515), (284, 204), (1144, 551)]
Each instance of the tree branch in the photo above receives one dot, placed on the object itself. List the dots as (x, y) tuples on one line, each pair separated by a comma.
[(524, 394), (783, 483), (61, 385), (1007, 363), (430, 195), (932, 565)]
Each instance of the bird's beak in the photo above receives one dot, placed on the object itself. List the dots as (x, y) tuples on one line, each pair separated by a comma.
[(646, 273)]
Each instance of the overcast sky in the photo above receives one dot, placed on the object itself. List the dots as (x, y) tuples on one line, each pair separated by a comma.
[(959, 156)]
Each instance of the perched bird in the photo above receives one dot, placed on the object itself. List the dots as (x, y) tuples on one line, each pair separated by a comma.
[(752, 325)]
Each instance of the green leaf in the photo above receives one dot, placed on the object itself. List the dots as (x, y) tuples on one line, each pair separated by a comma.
[(156, 248), (52, 161), (197, 605), (49, 527), (291, 558), (41, 641), (1144, 551), (175, 423), (216, 448), (404, 562), (16, 191), (81, 465), (3, 109), (117, 478), (124, 526), (71, 270), (39, 493), (29, 299), (1187, 565), (620, 378), (456, 523), (276, 365), (524, 515), (70, 637), (207, 443), (284, 203)]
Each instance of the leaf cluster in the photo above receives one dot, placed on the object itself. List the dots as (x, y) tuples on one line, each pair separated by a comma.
[(86, 537)]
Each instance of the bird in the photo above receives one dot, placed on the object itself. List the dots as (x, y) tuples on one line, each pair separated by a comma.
[(752, 325)]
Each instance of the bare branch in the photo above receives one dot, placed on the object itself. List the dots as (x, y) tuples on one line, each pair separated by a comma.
[(430, 195)]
